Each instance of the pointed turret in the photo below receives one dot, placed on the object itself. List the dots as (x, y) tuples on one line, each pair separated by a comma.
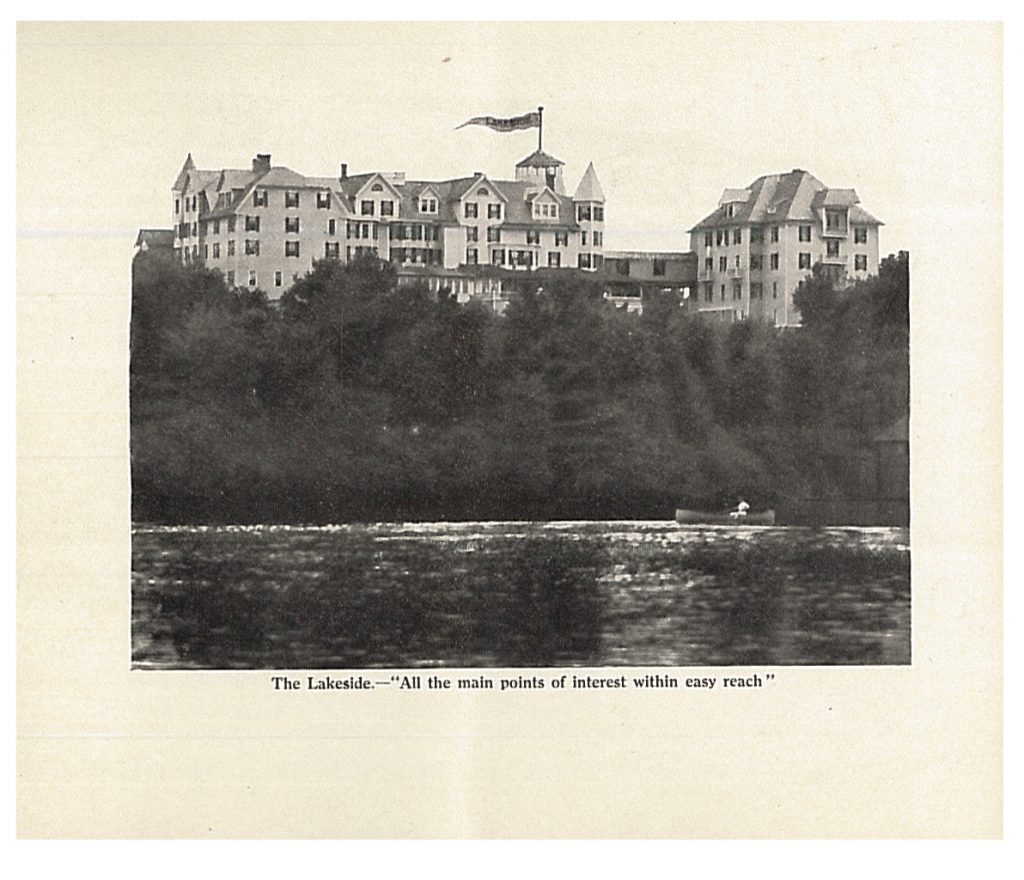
[(179, 183), (589, 189)]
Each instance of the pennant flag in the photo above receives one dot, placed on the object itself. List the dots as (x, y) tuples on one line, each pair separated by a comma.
[(516, 123)]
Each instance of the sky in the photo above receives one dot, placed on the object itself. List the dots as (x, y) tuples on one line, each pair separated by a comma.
[(670, 114)]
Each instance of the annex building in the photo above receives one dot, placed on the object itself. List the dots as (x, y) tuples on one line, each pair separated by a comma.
[(760, 242), (265, 225)]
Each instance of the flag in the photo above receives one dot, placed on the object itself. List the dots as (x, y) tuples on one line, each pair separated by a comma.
[(516, 123)]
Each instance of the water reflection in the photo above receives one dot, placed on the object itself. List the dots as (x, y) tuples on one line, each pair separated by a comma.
[(518, 594)]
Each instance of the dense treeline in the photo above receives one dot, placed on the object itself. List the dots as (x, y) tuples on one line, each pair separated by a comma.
[(354, 399)]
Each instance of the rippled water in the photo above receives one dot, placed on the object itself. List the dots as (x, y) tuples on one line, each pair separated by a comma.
[(517, 594)]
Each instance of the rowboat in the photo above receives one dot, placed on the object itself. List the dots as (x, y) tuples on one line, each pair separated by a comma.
[(700, 517)]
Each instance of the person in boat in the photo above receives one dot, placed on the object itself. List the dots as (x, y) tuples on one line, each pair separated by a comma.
[(741, 510)]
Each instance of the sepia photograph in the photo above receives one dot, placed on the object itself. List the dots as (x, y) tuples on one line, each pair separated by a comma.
[(566, 384), (538, 429)]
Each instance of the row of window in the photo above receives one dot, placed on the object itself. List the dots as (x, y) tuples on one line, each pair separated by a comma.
[(756, 291), (860, 261), (590, 212), (252, 248), (722, 237)]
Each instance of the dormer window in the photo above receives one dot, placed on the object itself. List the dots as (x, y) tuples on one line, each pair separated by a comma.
[(323, 199), (728, 210), (545, 211), (259, 198), (428, 206)]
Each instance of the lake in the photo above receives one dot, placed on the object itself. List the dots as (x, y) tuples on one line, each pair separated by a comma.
[(517, 594)]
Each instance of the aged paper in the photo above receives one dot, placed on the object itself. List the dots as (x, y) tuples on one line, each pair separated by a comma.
[(904, 752)]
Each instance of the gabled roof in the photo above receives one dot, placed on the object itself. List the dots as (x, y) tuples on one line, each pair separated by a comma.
[(155, 238), (282, 176), (539, 159), (779, 198), (589, 189), (179, 181)]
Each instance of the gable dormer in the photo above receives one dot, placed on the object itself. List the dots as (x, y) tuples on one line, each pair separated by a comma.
[(544, 205), (377, 198), (482, 201), (428, 201)]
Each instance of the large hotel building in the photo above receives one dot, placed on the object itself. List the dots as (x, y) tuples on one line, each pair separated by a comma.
[(761, 242), (480, 237), (264, 227)]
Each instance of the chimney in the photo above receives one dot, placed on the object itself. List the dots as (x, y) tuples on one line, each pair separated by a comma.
[(344, 170), (261, 164)]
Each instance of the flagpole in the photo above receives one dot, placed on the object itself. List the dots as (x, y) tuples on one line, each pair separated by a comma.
[(540, 128)]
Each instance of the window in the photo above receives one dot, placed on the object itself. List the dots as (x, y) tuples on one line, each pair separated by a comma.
[(709, 239), (470, 210), (554, 260), (252, 223), (832, 247), (231, 247), (860, 262), (259, 198), (756, 290), (498, 256), (366, 208), (216, 250), (231, 278), (737, 290), (835, 221), (177, 206), (756, 262), (377, 188), (533, 236), (231, 224), (195, 228), (252, 277), (472, 233), (709, 293), (718, 237), (736, 262), (332, 227), (756, 234), (493, 233), (583, 238), (599, 213), (216, 227), (584, 261), (428, 206), (252, 247), (323, 200), (725, 237), (805, 233), (723, 293), (494, 212), (775, 290), (194, 203), (331, 250), (659, 267), (775, 233), (387, 208), (291, 224), (277, 279), (582, 212), (728, 210), (416, 232), (291, 248), (472, 257), (723, 264), (860, 235), (737, 236), (291, 198), (598, 238), (774, 262), (483, 191), (561, 239), (804, 261)]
